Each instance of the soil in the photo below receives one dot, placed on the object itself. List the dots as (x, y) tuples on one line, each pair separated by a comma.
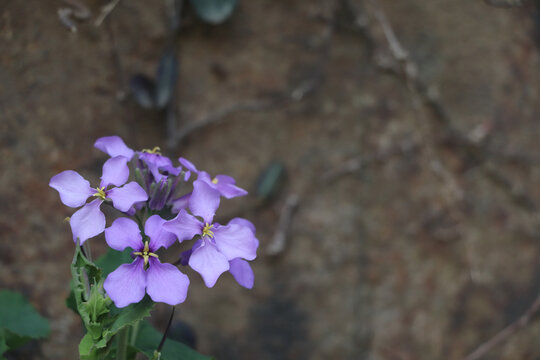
[(425, 252)]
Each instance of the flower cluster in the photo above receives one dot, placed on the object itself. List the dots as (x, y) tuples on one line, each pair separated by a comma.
[(155, 214)]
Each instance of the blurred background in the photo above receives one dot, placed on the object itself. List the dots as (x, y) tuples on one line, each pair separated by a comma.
[(390, 149)]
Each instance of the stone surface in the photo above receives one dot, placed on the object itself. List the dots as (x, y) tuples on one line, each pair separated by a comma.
[(419, 256)]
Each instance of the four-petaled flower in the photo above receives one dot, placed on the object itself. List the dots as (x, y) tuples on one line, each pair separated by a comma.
[(129, 282), (74, 191), (223, 184), (216, 249), (218, 245)]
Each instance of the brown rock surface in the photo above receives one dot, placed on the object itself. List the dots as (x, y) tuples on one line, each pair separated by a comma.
[(421, 255)]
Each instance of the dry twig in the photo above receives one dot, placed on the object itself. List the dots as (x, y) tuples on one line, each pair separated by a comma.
[(279, 240), (505, 333), (106, 11), (286, 97), (360, 162), (506, 3)]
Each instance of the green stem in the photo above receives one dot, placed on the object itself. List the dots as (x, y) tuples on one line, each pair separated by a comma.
[(134, 333), (122, 342)]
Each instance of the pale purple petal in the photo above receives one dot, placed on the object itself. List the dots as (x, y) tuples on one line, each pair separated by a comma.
[(124, 233), (188, 164), (180, 203), (123, 198), (126, 284), (87, 222), (115, 171), (204, 176), (165, 283), (236, 241), (173, 170), (204, 201), (243, 222), (155, 162), (184, 226), (153, 228), (242, 272), (72, 187), (230, 191), (225, 179), (114, 146), (208, 262)]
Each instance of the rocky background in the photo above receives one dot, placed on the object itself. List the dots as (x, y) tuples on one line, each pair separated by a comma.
[(409, 132)]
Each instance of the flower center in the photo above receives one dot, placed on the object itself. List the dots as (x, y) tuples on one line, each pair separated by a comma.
[(207, 232), (145, 254), (155, 150), (100, 193), (214, 181)]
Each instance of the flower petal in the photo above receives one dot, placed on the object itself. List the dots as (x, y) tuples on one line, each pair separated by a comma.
[(236, 241), (180, 203), (115, 171), (184, 226), (204, 201), (155, 162), (114, 146), (88, 221), (165, 283), (208, 262), (124, 233), (230, 191), (243, 222), (123, 198), (242, 272), (204, 176), (126, 284), (153, 228), (188, 164), (74, 190)]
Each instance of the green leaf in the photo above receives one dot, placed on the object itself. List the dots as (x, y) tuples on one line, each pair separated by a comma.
[(214, 11), (3, 345), (19, 317), (130, 316), (148, 340), (85, 346), (113, 259)]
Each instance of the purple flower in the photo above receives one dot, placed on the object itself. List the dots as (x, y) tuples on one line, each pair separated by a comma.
[(74, 191), (114, 146), (152, 158), (146, 274), (239, 268), (224, 184), (219, 245), (153, 171)]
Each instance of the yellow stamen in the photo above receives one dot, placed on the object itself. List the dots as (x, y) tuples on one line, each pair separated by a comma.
[(100, 193), (155, 150), (145, 254), (214, 181), (206, 230)]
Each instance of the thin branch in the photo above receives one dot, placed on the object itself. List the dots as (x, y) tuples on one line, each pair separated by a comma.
[(220, 115), (505, 3), (504, 334), (279, 240), (106, 11), (358, 163), (122, 91), (283, 98)]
